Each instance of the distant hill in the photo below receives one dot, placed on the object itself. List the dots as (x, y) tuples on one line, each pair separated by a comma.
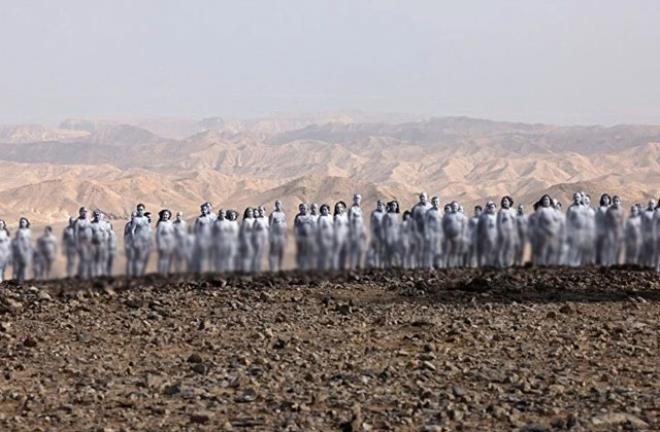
[(49, 172)]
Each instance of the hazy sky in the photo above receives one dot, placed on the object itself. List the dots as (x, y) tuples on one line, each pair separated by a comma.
[(573, 61)]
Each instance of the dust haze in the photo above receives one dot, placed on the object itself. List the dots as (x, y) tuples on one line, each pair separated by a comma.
[(107, 104), (174, 104), (560, 62)]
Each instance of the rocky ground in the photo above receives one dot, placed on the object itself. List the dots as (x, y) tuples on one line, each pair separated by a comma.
[(523, 349)]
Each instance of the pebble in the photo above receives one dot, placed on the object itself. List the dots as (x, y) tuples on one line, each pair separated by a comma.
[(201, 417), (44, 296), (618, 418), (428, 365), (30, 342), (194, 358), (172, 389), (11, 305)]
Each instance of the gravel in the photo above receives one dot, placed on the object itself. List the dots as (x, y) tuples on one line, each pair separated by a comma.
[(521, 349)]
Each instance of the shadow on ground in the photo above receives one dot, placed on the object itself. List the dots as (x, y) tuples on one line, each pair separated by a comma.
[(471, 286)]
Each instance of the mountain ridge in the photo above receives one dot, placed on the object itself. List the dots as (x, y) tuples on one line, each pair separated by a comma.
[(49, 172)]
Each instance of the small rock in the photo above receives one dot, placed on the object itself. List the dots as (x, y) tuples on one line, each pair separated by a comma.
[(496, 411), (172, 389), (428, 365), (422, 323), (194, 358), (200, 417), (571, 421), (558, 422), (534, 427), (67, 408), (153, 381), (343, 309), (83, 337), (618, 418), (557, 388), (199, 368), (566, 309), (30, 342), (133, 303), (356, 422), (44, 296), (11, 305), (455, 415), (248, 395)]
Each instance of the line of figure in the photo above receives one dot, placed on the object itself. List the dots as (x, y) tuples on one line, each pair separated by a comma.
[(343, 237), (88, 245)]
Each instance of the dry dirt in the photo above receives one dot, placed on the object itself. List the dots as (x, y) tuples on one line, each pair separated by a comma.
[(522, 349)]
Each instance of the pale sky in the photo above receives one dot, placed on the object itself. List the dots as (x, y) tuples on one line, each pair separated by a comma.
[(566, 62)]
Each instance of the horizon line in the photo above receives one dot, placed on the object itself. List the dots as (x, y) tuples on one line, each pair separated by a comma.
[(285, 115)]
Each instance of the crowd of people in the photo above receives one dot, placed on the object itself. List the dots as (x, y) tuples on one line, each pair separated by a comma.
[(338, 238)]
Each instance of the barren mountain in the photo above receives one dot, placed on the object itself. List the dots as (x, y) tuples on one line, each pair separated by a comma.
[(48, 173), (19, 134)]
